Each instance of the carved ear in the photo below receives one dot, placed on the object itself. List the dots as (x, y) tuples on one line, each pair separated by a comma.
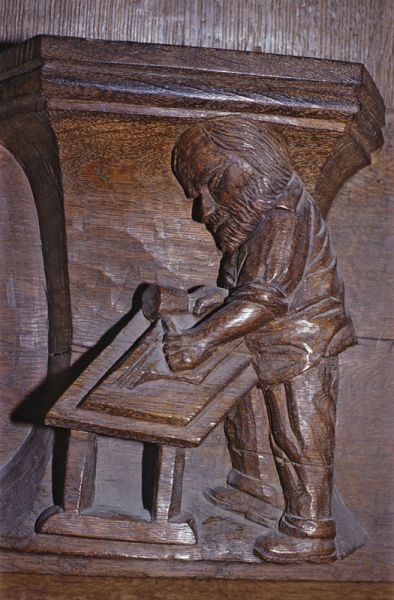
[(237, 173)]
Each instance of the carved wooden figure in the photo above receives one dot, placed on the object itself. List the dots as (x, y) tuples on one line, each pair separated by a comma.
[(286, 300), (141, 159)]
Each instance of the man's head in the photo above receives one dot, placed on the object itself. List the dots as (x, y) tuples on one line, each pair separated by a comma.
[(236, 168)]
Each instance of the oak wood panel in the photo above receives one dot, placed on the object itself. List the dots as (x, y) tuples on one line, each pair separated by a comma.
[(338, 29), (361, 223), (23, 344), (127, 258), (99, 211), (367, 240), (46, 587), (23, 340), (365, 447)]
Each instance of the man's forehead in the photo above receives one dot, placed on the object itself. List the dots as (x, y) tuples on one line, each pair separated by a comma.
[(195, 149), (197, 165)]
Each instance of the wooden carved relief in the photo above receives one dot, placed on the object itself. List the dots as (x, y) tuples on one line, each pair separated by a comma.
[(248, 348), (277, 321), (286, 301)]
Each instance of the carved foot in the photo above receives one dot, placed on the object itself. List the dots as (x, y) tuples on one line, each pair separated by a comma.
[(255, 487), (279, 547), (249, 506)]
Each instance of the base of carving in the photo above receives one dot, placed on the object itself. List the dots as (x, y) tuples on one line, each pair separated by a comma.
[(179, 530), (279, 548), (92, 530)]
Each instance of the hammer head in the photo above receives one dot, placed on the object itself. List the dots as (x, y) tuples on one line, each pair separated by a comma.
[(159, 300)]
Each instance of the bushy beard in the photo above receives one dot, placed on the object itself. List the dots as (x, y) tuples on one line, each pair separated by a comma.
[(232, 225)]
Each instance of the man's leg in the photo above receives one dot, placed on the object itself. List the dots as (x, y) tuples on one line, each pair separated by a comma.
[(302, 422), (249, 466), (253, 488)]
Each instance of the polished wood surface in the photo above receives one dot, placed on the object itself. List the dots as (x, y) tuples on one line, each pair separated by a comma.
[(17, 586), (362, 247), (116, 241), (338, 29), (130, 391)]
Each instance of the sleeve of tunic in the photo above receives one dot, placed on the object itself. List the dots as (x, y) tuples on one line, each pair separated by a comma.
[(274, 259)]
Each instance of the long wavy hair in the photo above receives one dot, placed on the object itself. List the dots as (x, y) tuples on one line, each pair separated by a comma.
[(255, 148)]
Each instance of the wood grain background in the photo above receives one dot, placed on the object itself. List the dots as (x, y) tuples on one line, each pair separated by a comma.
[(360, 221), (47, 587)]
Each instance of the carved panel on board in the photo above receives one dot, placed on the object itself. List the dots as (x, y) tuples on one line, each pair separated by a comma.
[(251, 347)]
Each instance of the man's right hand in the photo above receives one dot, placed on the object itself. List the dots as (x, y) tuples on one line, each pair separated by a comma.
[(184, 349)]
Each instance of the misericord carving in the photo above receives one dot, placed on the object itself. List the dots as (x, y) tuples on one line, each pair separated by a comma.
[(275, 320), (286, 300)]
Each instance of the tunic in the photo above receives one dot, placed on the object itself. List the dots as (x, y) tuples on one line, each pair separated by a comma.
[(288, 266)]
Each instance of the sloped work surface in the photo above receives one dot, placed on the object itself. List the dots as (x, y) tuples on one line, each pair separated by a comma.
[(131, 392)]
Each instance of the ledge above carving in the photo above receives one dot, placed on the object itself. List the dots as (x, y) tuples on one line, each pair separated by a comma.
[(170, 81)]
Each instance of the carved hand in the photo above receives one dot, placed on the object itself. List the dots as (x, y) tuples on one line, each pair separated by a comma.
[(211, 299), (183, 350)]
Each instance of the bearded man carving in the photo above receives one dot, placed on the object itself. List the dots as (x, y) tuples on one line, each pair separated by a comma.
[(286, 300)]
